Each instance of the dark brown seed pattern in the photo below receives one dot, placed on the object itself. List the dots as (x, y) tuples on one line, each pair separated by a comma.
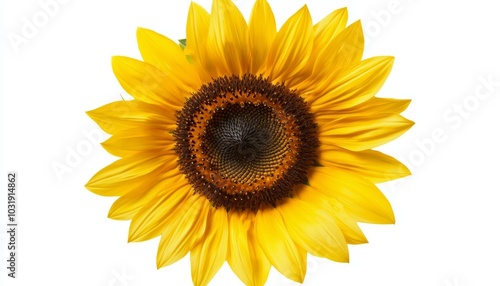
[(244, 142)]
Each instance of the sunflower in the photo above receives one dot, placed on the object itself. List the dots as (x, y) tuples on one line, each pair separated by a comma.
[(251, 145)]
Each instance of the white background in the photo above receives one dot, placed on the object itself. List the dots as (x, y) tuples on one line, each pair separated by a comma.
[(447, 230)]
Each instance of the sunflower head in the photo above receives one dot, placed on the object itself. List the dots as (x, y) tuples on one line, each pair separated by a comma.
[(249, 144)]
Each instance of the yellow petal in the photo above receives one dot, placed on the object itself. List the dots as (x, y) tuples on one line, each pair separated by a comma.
[(347, 224), (196, 35), (141, 192), (311, 227), (127, 206), (375, 105), (147, 83), (360, 197), (322, 63), (283, 253), (326, 29), (186, 227), (124, 171), (168, 56), (140, 140), (355, 85), (379, 105), (364, 132), (261, 33), (155, 215), (245, 257), (372, 165), (350, 228), (227, 40), (122, 115), (333, 58), (209, 255), (291, 48)]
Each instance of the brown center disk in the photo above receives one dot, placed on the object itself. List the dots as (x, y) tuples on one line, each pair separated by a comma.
[(244, 142)]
